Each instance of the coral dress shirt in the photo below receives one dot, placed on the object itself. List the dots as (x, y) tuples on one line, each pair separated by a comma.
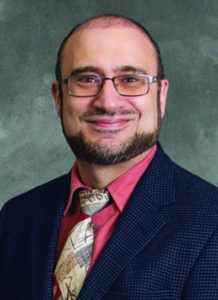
[(105, 220)]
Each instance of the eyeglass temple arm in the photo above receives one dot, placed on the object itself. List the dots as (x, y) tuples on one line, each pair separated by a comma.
[(152, 79)]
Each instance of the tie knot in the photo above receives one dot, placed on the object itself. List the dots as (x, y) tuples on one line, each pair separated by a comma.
[(92, 201)]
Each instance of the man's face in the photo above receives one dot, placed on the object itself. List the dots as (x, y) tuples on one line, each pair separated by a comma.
[(110, 128)]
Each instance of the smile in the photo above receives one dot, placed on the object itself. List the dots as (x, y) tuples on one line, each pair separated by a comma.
[(109, 123)]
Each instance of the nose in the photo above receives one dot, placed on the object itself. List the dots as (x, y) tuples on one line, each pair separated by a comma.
[(108, 99)]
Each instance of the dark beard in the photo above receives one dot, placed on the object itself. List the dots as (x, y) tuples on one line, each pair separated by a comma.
[(93, 153)]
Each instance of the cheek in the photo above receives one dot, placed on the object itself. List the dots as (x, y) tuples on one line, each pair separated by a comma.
[(148, 115), (70, 118), (71, 109)]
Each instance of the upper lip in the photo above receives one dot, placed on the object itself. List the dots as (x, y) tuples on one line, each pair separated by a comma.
[(108, 120)]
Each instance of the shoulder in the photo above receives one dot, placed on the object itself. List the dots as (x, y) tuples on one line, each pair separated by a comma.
[(38, 195), (193, 187), (196, 202), (184, 177), (185, 188)]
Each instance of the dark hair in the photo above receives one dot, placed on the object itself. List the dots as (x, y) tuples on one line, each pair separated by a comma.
[(113, 19)]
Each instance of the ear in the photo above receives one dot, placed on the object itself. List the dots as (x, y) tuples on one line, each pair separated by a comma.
[(163, 95), (56, 96)]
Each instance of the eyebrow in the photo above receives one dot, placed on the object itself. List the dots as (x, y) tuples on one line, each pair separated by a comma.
[(129, 68), (80, 70), (126, 68)]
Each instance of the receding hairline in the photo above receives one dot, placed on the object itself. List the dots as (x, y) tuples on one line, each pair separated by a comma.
[(106, 22)]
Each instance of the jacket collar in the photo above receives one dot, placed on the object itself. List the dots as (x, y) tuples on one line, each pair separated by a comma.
[(139, 223)]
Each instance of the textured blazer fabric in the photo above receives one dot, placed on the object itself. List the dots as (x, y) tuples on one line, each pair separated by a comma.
[(164, 246)]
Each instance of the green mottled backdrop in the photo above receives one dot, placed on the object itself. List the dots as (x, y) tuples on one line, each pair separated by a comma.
[(32, 147)]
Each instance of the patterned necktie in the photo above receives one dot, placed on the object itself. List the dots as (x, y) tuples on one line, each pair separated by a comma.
[(76, 255)]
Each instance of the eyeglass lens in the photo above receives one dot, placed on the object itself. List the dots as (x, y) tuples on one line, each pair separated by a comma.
[(89, 85)]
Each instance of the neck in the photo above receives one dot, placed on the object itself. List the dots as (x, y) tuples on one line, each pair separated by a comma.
[(100, 176)]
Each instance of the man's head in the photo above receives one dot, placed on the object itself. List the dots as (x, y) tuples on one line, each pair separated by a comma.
[(109, 128)]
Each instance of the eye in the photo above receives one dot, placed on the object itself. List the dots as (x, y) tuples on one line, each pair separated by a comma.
[(87, 79), (130, 79)]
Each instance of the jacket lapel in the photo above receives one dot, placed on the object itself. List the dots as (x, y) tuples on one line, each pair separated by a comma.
[(139, 224), (44, 235)]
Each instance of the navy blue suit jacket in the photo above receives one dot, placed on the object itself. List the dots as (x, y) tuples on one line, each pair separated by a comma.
[(165, 245)]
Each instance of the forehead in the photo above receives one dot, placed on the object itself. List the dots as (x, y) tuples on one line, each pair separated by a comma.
[(108, 49)]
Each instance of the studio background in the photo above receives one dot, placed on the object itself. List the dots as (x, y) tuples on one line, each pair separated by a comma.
[(32, 147)]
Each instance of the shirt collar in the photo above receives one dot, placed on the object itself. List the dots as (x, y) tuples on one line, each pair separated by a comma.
[(75, 184), (121, 188)]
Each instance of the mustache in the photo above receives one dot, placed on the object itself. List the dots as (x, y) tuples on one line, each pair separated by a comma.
[(117, 112)]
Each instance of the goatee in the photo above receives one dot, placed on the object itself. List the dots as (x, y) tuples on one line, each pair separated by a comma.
[(94, 153)]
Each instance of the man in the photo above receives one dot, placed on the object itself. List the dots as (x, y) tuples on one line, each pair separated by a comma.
[(156, 233)]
